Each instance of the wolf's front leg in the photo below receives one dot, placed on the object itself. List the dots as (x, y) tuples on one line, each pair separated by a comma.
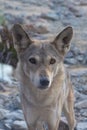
[(58, 113), (68, 109)]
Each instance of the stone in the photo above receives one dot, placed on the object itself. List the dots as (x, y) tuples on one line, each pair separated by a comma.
[(85, 58), (70, 61), (84, 113), (15, 115), (79, 95), (81, 104), (37, 29), (14, 102), (82, 126), (8, 123), (69, 54), (6, 72), (2, 87), (3, 99), (19, 125), (8, 126), (13, 19), (79, 73), (74, 49), (50, 16), (80, 58), (83, 2), (3, 113)]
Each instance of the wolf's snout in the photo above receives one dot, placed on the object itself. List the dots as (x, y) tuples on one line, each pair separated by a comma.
[(44, 82)]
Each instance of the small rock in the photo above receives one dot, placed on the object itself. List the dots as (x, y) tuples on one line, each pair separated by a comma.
[(37, 29), (82, 126), (81, 104), (50, 16), (13, 103), (3, 113), (8, 126), (15, 115), (75, 11), (79, 95), (75, 50), (12, 19), (2, 87), (6, 72), (83, 2), (85, 57), (80, 58), (70, 61), (84, 112), (69, 54), (19, 125), (3, 99), (42, 30), (79, 73)]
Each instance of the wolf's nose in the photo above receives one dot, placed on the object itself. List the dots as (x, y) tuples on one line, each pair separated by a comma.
[(44, 82)]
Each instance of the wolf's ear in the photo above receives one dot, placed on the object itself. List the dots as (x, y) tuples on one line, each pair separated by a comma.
[(20, 37), (62, 41)]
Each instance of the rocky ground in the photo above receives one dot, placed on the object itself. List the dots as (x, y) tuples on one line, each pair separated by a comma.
[(45, 19)]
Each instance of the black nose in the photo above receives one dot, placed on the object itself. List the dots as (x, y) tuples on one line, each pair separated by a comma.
[(44, 82)]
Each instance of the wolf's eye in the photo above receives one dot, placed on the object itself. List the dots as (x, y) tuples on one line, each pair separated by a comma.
[(32, 60), (52, 61)]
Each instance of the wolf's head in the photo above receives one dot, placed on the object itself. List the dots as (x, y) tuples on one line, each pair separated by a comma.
[(41, 61)]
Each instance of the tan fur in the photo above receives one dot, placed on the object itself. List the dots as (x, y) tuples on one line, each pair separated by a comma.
[(44, 106)]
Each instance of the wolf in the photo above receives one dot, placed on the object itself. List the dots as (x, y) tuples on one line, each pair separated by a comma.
[(45, 86)]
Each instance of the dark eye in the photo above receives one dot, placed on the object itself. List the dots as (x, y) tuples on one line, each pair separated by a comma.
[(52, 61), (32, 60)]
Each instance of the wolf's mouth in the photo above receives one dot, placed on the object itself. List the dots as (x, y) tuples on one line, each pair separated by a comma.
[(42, 87)]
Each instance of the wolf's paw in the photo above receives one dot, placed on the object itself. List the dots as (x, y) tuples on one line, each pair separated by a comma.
[(41, 125), (75, 128), (45, 126)]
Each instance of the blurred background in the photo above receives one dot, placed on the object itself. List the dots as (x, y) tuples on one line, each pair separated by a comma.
[(43, 19)]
